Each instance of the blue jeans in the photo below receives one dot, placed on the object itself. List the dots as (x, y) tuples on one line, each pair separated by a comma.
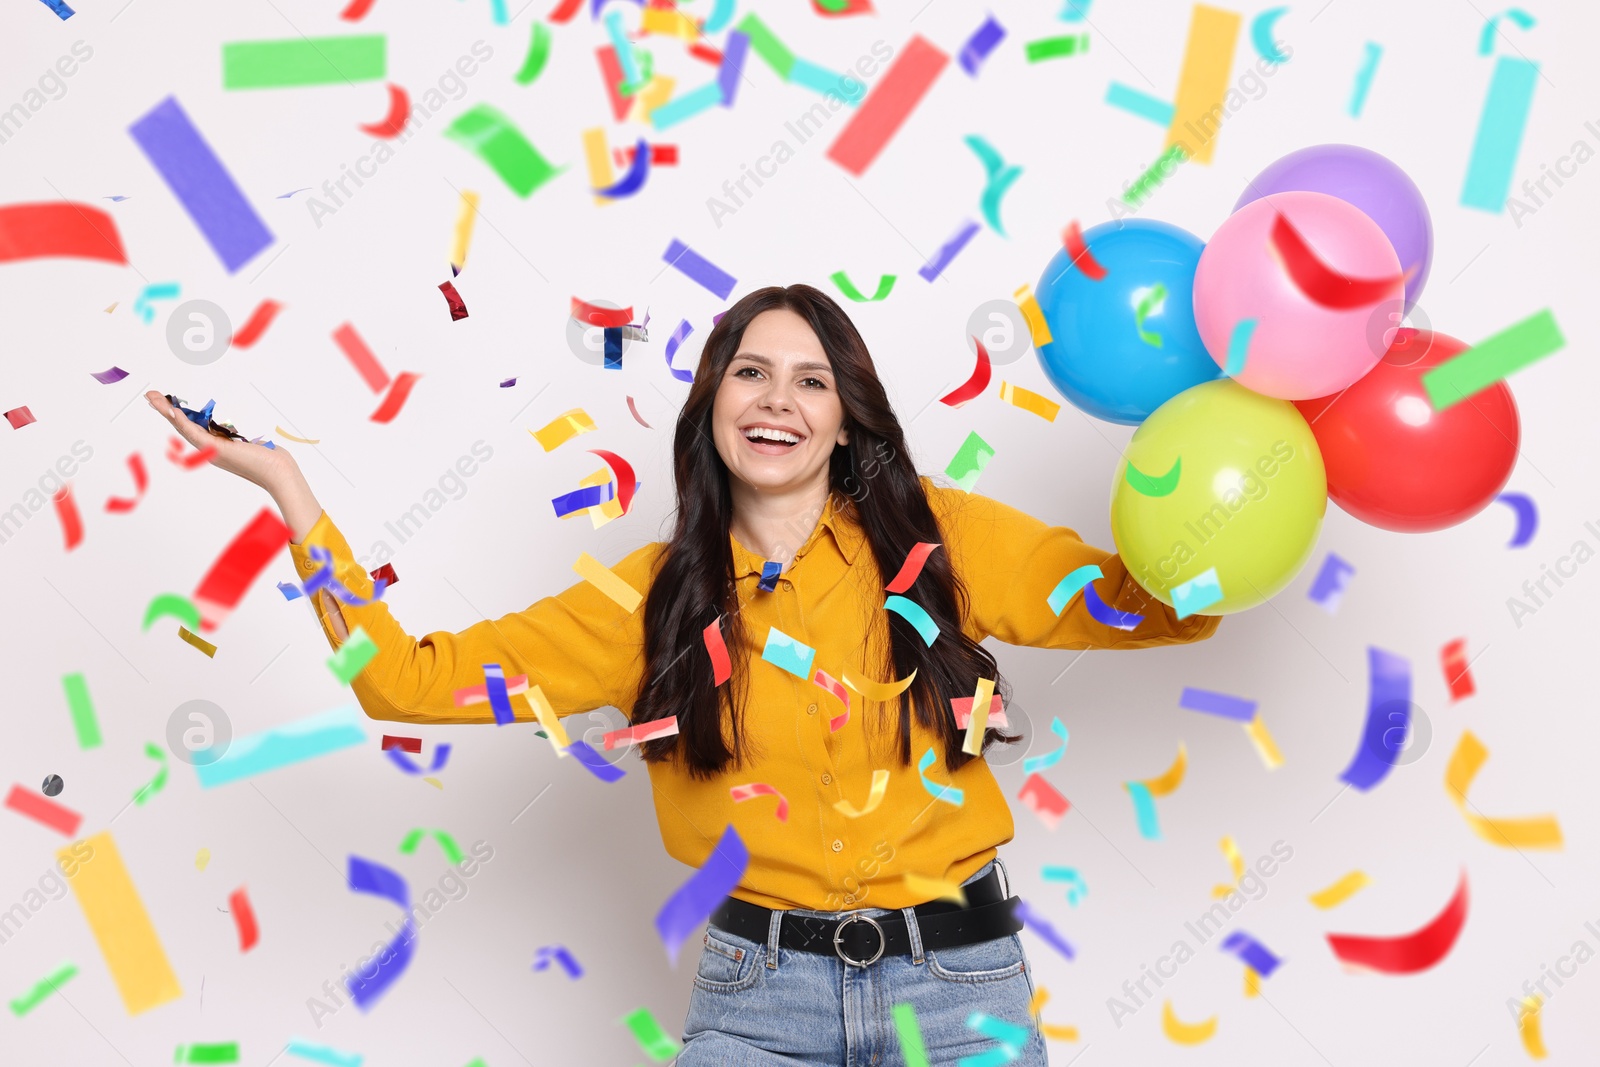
[(759, 1005)]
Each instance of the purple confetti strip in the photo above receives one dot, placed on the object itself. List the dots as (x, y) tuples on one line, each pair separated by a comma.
[(1107, 615), (695, 900), (106, 377), (541, 960), (441, 756), (1328, 589), (687, 261), (734, 51), (770, 570), (677, 339), (588, 497), (380, 881), (324, 578), (494, 683), (62, 11), (1043, 930), (201, 183), (1388, 714), (980, 44), (1212, 703), (595, 762), (935, 266), (508, 383), (633, 179), (1255, 955)]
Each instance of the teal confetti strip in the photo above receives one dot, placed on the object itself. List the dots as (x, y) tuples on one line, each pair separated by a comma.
[(784, 651), (947, 793), (1144, 808), (914, 613), (1069, 586), (1239, 346)]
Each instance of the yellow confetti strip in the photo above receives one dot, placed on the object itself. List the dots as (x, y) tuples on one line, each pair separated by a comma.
[(202, 858), (198, 642), (1236, 861), (878, 690), (563, 428), (1541, 831), (1031, 311), (548, 720), (1341, 891), (1252, 982), (434, 782), (464, 220), (287, 436), (671, 23), (655, 93), (113, 307), (1186, 1033), (1528, 1024), (1160, 787), (1028, 400), (599, 158), (1256, 730), (606, 510), (120, 924), (1058, 1033), (978, 722), (937, 888), (605, 579), (880, 783), (1207, 63)]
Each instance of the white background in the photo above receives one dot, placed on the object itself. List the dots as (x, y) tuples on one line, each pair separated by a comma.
[(583, 867)]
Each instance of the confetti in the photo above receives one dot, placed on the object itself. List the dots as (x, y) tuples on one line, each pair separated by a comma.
[(58, 228), (1266, 747), (698, 269), (1196, 594), (1082, 257), (452, 851), (120, 924), (171, 606), (47, 985), (546, 953), (641, 732), (1408, 953), (933, 888), (961, 708), (563, 428), (761, 789), (292, 742), (1328, 587), (916, 615), (84, 723), (1261, 35), (1253, 953), (1151, 302), (1492, 359), (1203, 80), (20, 417), (1145, 485), (784, 651), (1322, 284), (107, 377), (201, 859), (1041, 928), (398, 757), (1043, 800), (1134, 102), (215, 1052), (1528, 1026), (494, 688), (304, 61), (489, 134), (947, 793), (949, 250), (912, 1048), (847, 287), (396, 398), (978, 721), (1186, 1033), (1340, 891), (374, 879), (1213, 703), (888, 105), (692, 903), (323, 1053), (44, 811), (458, 307), (1075, 884), (1456, 673), (721, 668), (880, 784), (1239, 347), (1363, 83), (834, 686), (1498, 142), (244, 916), (1470, 754), (156, 784), (1069, 586), (969, 462), (1527, 517), (973, 386), (1105, 614), (1388, 712), (198, 642), (71, 521), (1034, 764), (1030, 401), (906, 577), (236, 569), (980, 44), (1056, 47), (655, 1042), (395, 119)]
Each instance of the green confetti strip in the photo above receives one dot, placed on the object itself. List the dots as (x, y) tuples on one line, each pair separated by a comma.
[(492, 137), (304, 61), (1057, 47), (911, 1046), (766, 45), (452, 851), (31, 999), (82, 708), (1145, 485), (353, 656), (971, 459), (538, 54), (655, 1041), (1490, 360), (219, 1052), (156, 784), (847, 287), (1150, 304)]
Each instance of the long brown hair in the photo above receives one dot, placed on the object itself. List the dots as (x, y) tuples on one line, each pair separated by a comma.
[(694, 581)]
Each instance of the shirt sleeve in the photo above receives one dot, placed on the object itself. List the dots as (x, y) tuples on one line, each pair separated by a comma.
[(580, 647), (1010, 562)]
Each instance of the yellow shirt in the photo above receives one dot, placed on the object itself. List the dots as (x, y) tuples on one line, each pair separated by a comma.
[(584, 651)]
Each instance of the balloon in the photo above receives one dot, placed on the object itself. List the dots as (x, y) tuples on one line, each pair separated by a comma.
[(1249, 498), (1397, 464), (1362, 177), (1301, 348), (1096, 356)]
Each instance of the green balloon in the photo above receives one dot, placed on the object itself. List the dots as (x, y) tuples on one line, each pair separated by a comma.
[(1248, 496)]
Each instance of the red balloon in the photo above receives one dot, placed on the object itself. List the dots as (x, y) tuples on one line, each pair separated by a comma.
[(1393, 461)]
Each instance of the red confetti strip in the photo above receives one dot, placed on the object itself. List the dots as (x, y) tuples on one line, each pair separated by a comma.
[(611, 74), (385, 574), (636, 416), (356, 11), (38, 231), (231, 576), (404, 744), (1044, 800), (845, 7), (479, 694), (397, 397), (761, 789), (71, 521), (395, 121), (244, 916), (260, 319), (361, 357), (43, 810), (1082, 258), (564, 11), (1320, 282), (141, 479), (1409, 953), (641, 732), (661, 155), (20, 417), (176, 451), (622, 473), (458, 307), (599, 316), (721, 668), (975, 385), (913, 565), (961, 707), (701, 50), (834, 686), (888, 105), (1456, 672)]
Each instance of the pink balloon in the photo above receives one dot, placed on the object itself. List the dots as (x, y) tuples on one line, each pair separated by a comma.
[(1300, 349)]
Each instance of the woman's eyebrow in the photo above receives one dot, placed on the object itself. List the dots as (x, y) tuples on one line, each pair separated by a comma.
[(765, 362)]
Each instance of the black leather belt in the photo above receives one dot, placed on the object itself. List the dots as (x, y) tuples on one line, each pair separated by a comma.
[(861, 940)]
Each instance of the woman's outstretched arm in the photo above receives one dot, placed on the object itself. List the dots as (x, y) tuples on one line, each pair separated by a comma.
[(1010, 562), (580, 647)]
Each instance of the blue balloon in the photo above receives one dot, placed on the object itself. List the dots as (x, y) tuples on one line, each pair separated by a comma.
[(1097, 356)]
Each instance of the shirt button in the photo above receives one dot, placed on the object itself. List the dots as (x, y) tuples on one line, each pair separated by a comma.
[(788, 584), (849, 899), (826, 779), (308, 565), (838, 845), (811, 709)]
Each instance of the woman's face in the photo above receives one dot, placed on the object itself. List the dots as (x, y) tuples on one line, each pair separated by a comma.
[(780, 379)]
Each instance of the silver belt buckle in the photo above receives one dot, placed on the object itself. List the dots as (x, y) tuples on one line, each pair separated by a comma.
[(838, 940)]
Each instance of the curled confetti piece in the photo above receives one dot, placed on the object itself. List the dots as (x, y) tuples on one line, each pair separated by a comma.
[(1068, 586), (365, 876), (916, 615), (538, 55), (1528, 1026), (1527, 517), (1186, 1033), (847, 287), (141, 480), (973, 386), (452, 851), (1539, 832), (1082, 258), (395, 121), (1408, 953), (1388, 713), (947, 793), (1107, 615), (880, 784), (912, 567), (622, 474), (1151, 302), (1230, 851), (171, 606), (834, 686), (1145, 485), (47, 985), (761, 789), (156, 784), (1319, 282), (257, 324), (1261, 35), (287, 436), (880, 691), (542, 958), (396, 398), (1340, 891), (693, 902), (458, 307), (1075, 884), (636, 416), (1034, 764), (398, 757)]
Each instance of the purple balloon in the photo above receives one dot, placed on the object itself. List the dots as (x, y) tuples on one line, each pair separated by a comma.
[(1369, 181)]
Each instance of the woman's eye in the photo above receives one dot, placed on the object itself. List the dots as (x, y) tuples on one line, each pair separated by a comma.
[(820, 383)]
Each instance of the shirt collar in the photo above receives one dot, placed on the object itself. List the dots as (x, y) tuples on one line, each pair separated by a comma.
[(838, 523)]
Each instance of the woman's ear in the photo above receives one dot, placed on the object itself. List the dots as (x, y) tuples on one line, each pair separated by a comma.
[(844, 436)]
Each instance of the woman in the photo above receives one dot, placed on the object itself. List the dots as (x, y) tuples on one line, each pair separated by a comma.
[(787, 452)]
